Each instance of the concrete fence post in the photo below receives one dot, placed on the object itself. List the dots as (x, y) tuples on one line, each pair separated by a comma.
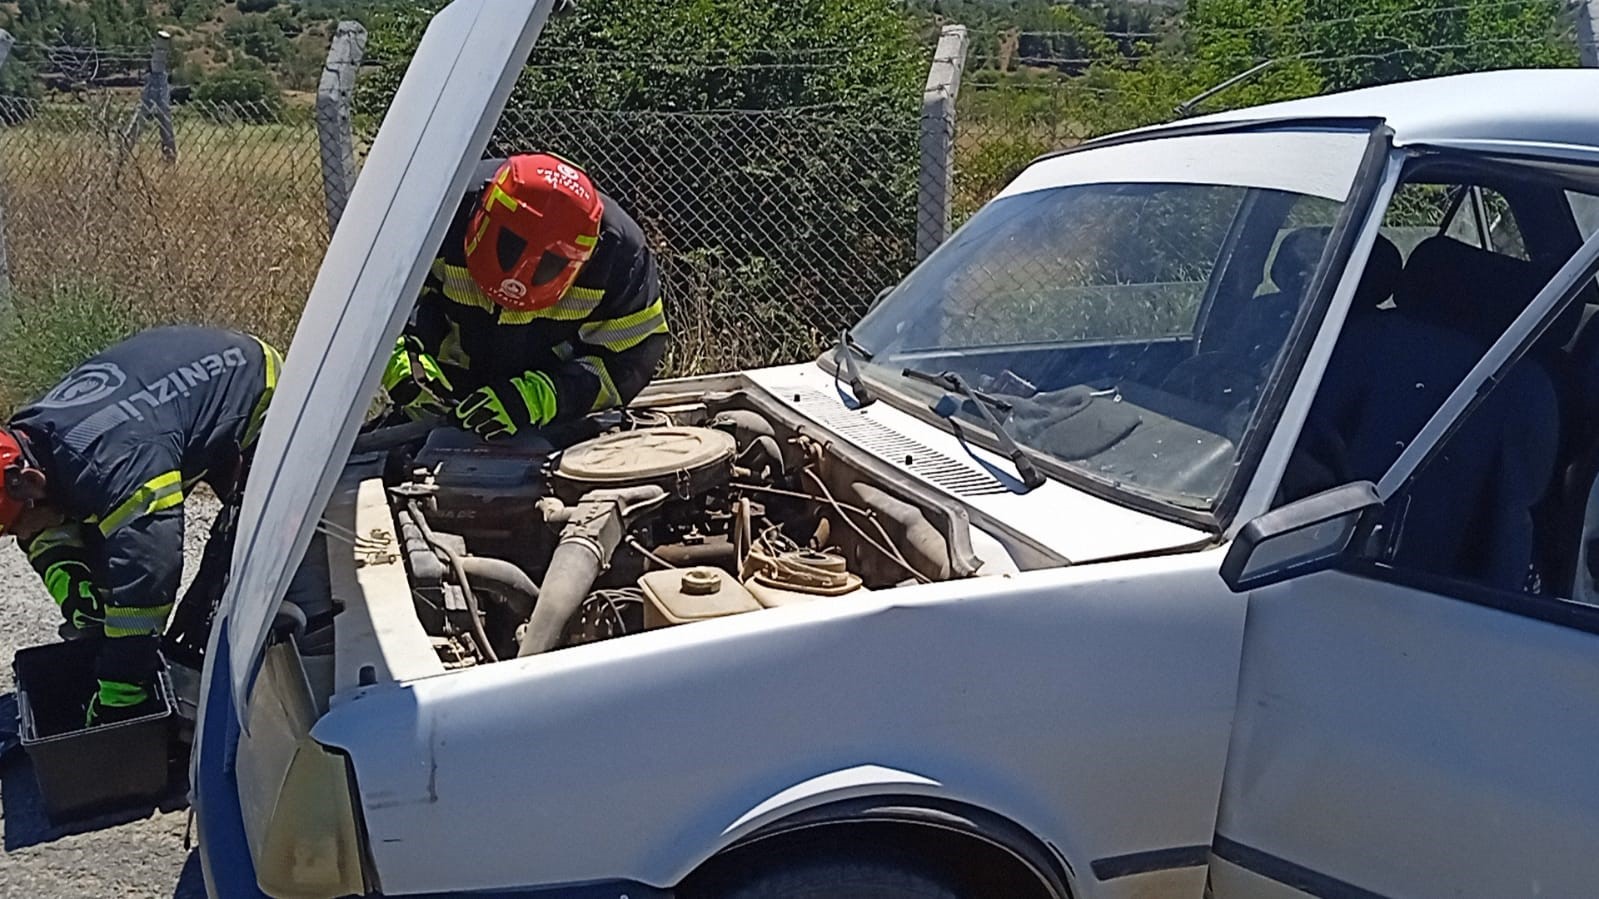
[(936, 184), (335, 132), (155, 101), (1588, 32), (6, 41)]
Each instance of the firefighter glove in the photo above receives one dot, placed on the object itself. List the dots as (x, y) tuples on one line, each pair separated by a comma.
[(74, 593), (116, 701), (415, 381), (502, 408)]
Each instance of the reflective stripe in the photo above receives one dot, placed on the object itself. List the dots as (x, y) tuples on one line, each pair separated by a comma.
[(160, 492), (620, 334), (498, 195), (608, 396), (586, 242), (274, 362), (135, 621), (477, 236), (457, 285)]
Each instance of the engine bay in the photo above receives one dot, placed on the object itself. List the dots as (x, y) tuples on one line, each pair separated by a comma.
[(654, 517)]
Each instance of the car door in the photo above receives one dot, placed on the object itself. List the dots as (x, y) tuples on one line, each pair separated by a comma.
[(1413, 732)]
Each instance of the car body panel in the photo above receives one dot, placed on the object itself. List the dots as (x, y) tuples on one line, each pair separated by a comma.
[(1110, 700), (1390, 737)]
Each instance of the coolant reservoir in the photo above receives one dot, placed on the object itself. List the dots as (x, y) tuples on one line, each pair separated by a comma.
[(800, 576), (682, 595)]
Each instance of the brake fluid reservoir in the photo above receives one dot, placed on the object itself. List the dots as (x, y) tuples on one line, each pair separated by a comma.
[(800, 576)]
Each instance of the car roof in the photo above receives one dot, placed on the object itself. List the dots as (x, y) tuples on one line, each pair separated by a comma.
[(1527, 107)]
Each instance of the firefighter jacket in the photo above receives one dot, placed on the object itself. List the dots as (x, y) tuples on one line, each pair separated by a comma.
[(121, 441), (599, 345)]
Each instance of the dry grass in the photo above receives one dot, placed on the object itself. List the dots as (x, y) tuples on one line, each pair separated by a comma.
[(231, 233)]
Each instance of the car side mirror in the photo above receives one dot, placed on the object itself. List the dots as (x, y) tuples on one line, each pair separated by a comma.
[(1303, 537)]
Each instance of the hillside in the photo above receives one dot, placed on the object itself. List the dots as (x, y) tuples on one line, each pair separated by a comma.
[(286, 38)]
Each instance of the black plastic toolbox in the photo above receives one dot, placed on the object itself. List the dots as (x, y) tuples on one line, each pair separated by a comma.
[(83, 771)]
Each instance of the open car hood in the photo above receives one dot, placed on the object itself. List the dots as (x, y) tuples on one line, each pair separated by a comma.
[(431, 139)]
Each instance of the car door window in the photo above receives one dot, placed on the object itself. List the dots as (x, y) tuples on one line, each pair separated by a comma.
[(1476, 216)]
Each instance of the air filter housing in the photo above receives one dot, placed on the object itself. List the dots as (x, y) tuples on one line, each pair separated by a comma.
[(683, 461)]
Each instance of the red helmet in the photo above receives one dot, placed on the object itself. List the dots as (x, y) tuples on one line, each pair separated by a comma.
[(538, 222), (12, 461)]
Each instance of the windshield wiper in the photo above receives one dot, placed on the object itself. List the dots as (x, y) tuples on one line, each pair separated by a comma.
[(847, 350), (986, 405)]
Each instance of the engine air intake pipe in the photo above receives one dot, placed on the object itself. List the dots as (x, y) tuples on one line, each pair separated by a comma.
[(593, 530)]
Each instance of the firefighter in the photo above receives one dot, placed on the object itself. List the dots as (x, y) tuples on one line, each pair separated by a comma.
[(95, 475), (544, 305)]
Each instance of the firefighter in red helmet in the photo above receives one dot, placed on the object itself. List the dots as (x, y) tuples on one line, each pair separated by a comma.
[(543, 305)]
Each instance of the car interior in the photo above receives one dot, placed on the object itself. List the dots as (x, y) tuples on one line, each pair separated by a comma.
[(1504, 503)]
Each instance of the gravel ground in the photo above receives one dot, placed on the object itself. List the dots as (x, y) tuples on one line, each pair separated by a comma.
[(133, 854)]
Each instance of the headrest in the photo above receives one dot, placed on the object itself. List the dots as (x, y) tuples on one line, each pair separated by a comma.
[(1381, 277), (1296, 260), (1465, 288)]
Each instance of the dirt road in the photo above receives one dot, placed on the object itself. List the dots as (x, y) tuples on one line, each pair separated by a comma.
[(138, 855)]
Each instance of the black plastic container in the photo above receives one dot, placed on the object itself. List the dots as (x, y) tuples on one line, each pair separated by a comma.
[(83, 771)]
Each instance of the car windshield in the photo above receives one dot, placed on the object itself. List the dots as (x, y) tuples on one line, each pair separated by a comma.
[(1127, 304)]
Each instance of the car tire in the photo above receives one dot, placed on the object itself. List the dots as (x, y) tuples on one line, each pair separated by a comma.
[(838, 877)]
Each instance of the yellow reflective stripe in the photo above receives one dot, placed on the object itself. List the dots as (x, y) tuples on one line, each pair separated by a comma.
[(608, 396), (477, 236), (576, 304), (459, 286), (135, 621), (160, 492), (586, 242), (274, 362), (498, 195), (619, 334)]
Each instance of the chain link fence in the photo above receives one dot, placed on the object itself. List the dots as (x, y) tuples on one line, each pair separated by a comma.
[(772, 228)]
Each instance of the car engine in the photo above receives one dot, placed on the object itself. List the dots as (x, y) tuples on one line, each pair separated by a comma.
[(654, 517)]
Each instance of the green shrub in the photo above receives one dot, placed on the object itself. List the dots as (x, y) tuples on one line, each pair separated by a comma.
[(240, 95), (256, 5), (47, 333)]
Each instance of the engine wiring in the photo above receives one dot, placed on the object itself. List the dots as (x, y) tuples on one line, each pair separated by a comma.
[(480, 637), (644, 551), (888, 551)]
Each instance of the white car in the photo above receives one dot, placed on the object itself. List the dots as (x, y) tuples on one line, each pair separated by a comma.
[(1210, 515)]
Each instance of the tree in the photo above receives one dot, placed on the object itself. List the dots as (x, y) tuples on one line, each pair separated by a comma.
[(239, 94)]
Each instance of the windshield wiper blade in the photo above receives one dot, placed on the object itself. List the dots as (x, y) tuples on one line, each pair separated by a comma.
[(847, 350), (986, 405)]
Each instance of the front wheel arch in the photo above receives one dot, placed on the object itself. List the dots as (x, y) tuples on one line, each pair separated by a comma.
[(984, 854)]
